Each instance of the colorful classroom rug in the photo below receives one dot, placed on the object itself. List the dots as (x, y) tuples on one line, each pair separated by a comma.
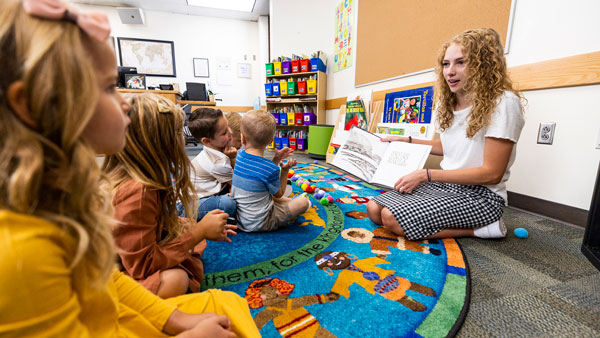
[(333, 273)]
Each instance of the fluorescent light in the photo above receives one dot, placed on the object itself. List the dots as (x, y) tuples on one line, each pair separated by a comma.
[(234, 5)]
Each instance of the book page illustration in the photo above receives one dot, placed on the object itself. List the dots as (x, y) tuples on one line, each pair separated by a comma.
[(360, 154)]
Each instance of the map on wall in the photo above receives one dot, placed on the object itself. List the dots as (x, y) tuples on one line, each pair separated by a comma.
[(150, 57)]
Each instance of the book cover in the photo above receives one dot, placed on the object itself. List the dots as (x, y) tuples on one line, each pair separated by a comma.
[(358, 109), (409, 106), (382, 163)]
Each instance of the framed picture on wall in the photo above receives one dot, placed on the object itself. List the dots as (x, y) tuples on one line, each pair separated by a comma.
[(135, 81), (150, 57), (201, 67)]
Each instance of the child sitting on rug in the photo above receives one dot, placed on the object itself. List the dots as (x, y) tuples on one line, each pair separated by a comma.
[(480, 117), (212, 169), (157, 248), (259, 184), (234, 120), (58, 108)]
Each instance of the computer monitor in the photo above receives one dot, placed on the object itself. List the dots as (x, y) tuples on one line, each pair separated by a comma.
[(196, 91), (122, 71)]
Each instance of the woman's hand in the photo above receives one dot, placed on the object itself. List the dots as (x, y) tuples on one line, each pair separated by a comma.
[(392, 138), (214, 226), (408, 183)]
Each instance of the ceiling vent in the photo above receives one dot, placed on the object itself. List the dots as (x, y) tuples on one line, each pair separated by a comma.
[(131, 16)]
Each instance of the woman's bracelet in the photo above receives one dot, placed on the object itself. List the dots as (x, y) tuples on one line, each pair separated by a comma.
[(428, 176), (410, 139)]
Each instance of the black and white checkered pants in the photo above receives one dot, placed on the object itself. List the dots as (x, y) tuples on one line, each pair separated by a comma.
[(433, 207)]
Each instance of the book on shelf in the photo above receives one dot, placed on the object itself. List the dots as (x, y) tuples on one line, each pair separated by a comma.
[(379, 163), (273, 99)]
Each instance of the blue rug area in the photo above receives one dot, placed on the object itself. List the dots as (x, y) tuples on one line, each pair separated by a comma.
[(334, 273)]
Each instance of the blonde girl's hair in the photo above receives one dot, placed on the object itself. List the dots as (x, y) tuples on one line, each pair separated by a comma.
[(49, 170), (154, 156), (258, 127), (486, 81)]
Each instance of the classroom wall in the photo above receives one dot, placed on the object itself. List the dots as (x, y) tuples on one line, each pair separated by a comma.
[(563, 172), (201, 37)]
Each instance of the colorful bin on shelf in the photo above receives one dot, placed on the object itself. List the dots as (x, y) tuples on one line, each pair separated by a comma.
[(277, 68), (276, 116), (295, 64), (301, 87), (277, 142), (275, 88), (301, 144), (304, 65), (268, 89), (310, 118), (286, 67), (292, 142), (283, 119), (291, 119), (283, 87), (292, 87), (269, 69), (285, 142), (271, 145), (311, 86), (317, 65), (299, 118)]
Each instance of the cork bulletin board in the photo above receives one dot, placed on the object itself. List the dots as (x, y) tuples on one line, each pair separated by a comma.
[(396, 38)]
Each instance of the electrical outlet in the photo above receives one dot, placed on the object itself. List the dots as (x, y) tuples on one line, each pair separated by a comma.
[(546, 133)]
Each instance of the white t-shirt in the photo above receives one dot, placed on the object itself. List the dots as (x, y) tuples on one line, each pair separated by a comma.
[(461, 152), (210, 170)]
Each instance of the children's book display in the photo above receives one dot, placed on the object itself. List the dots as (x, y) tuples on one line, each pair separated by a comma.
[(365, 156), (407, 113), (358, 110)]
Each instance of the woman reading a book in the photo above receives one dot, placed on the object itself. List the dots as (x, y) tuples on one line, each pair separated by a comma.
[(480, 118)]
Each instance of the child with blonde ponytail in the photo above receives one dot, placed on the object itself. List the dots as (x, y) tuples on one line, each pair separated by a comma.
[(58, 108)]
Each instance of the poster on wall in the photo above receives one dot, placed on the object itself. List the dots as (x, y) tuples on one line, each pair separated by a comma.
[(342, 46)]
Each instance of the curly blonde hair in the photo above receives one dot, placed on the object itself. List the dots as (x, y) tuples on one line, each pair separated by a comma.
[(487, 78), (49, 170), (154, 156)]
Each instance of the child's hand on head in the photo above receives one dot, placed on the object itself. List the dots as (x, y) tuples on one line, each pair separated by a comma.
[(289, 164), (282, 154)]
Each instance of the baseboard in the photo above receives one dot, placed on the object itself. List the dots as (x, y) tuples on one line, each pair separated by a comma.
[(549, 209)]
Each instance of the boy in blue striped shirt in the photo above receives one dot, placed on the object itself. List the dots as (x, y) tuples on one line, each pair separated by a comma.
[(259, 184)]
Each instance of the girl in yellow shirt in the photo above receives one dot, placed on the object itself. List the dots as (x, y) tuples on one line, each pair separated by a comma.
[(58, 108)]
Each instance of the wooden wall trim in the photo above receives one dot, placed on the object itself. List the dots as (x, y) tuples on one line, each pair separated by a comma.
[(577, 70), (239, 109), (550, 209)]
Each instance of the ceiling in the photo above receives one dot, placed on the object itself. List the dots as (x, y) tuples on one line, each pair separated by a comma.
[(261, 7)]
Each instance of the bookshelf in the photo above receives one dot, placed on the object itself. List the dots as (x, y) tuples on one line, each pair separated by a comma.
[(314, 102)]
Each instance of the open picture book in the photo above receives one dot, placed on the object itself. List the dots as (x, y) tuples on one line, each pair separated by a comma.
[(379, 163)]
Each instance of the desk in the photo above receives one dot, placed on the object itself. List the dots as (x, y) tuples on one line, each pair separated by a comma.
[(196, 104), (168, 94)]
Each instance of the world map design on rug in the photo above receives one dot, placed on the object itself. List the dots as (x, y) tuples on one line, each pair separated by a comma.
[(334, 273)]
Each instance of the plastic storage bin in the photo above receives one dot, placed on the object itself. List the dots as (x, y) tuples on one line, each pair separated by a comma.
[(311, 86), (269, 69), (276, 116), (301, 87), (316, 64), (277, 142), (299, 118), (285, 142), (310, 118), (304, 65), (275, 88), (277, 68), (291, 119), (286, 68), (283, 119), (292, 88), (295, 64), (283, 87), (292, 142), (268, 89), (301, 144)]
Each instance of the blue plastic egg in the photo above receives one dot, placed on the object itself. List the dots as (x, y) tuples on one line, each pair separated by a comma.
[(521, 233)]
